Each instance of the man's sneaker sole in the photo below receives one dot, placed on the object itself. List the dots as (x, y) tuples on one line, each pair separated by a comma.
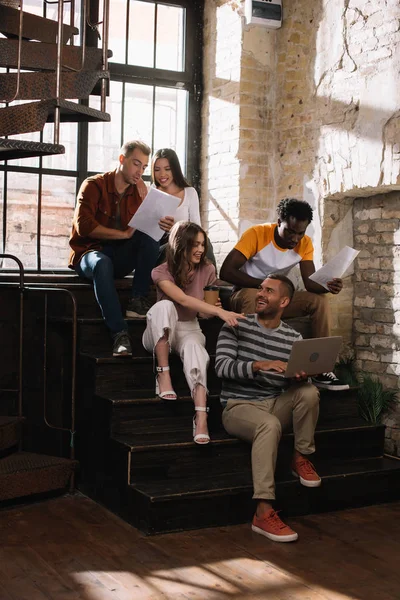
[(333, 387), (275, 538), (123, 354), (307, 482), (131, 314)]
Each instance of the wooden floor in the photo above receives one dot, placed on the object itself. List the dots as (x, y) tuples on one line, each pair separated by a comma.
[(70, 548)]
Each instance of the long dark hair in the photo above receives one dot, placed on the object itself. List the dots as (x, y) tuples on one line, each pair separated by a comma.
[(174, 164), (181, 241)]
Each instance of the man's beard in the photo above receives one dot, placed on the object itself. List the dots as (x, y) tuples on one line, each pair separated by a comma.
[(269, 312)]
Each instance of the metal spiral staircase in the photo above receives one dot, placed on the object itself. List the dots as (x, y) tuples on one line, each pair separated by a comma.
[(48, 69)]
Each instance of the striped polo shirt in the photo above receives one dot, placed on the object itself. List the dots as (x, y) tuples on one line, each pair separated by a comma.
[(238, 347)]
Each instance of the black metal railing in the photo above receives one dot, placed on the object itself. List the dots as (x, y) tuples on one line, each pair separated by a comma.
[(23, 291)]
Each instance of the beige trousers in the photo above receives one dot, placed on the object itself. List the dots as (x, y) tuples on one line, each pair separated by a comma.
[(302, 304), (261, 423)]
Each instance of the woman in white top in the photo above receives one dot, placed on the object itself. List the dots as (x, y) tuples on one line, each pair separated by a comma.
[(167, 176)]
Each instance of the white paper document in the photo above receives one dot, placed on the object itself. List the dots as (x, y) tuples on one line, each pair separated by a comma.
[(154, 207), (335, 267)]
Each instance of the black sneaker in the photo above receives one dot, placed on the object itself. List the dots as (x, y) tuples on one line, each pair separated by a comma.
[(329, 381), (122, 344), (137, 307)]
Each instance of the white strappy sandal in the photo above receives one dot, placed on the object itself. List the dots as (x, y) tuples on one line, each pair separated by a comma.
[(201, 438), (163, 395)]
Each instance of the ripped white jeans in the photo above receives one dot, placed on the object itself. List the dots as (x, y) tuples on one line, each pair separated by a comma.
[(185, 338)]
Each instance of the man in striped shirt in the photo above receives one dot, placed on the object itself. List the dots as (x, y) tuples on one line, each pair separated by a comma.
[(259, 402)]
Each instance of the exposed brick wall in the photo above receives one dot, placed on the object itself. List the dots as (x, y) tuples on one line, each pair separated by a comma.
[(315, 113), (377, 296)]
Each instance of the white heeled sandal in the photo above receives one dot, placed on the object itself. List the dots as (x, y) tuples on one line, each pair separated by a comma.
[(201, 438), (163, 395)]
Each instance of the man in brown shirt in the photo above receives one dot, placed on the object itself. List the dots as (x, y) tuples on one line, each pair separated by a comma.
[(104, 247)]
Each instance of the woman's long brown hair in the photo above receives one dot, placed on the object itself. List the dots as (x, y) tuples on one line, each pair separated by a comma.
[(180, 243)]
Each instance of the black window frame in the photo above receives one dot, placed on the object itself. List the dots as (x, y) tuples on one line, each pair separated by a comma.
[(189, 79)]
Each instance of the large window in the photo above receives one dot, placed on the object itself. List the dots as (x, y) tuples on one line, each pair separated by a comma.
[(154, 95)]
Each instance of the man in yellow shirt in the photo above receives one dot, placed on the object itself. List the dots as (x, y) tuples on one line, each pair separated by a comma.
[(276, 248)]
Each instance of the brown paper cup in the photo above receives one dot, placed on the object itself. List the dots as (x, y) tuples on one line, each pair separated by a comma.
[(211, 296)]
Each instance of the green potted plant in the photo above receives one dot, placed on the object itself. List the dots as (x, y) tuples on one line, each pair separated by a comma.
[(373, 399)]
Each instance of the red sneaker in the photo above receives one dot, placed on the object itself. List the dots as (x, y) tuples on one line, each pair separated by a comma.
[(305, 470), (273, 527)]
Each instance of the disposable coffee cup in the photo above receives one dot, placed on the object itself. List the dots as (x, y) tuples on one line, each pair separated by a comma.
[(211, 294)]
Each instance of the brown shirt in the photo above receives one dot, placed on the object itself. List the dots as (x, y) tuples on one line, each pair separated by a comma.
[(97, 204), (203, 275)]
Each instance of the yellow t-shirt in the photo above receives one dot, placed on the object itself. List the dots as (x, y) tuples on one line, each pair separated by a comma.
[(264, 256)]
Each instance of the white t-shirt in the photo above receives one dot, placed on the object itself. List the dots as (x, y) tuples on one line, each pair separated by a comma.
[(189, 210)]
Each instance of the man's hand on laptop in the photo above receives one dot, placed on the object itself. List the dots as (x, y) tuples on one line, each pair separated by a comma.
[(266, 366), (335, 286), (269, 365), (166, 223)]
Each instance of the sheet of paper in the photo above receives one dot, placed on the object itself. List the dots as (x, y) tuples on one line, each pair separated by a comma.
[(335, 267), (154, 207)]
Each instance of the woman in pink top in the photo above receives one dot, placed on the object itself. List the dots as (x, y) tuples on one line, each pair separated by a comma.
[(172, 322)]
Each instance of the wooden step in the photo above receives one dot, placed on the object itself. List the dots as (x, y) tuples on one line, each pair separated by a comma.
[(122, 411), (10, 432), (157, 507), (42, 86), (32, 116), (11, 149), (103, 373), (24, 474), (174, 454), (34, 27), (42, 56), (94, 337)]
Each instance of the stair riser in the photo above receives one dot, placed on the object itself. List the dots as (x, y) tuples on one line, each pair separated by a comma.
[(42, 86), (34, 27), (139, 379), (95, 337), (44, 56), (232, 458), (26, 483), (24, 118), (9, 437), (295, 500), (125, 417)]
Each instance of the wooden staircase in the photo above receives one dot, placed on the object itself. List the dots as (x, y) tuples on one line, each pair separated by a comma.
[(137, 456), (57, 71)]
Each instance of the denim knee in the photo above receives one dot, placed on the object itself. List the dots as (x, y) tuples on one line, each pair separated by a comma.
[(103, 268)]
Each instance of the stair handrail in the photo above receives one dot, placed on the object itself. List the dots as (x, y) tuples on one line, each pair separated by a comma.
[(72, 23), (57, 110), (23, 289), (104, 49), (21, 18)]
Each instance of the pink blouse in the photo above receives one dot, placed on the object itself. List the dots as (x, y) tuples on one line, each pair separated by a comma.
[(204, 275)]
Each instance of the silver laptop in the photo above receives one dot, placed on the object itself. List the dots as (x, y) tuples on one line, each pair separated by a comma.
[(313, 356)]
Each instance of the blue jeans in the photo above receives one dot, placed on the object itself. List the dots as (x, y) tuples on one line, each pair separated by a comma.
[(116, 260)]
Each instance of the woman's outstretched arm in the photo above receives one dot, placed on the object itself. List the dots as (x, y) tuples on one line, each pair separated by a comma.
[(179, 296)]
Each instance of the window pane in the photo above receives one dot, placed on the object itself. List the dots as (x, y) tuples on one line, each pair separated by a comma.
[(58, 203), (105, 138), (141, 34), (170, 36), (170, 121), (22, 201), (117, 29), (69, 139), (138, 113)]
